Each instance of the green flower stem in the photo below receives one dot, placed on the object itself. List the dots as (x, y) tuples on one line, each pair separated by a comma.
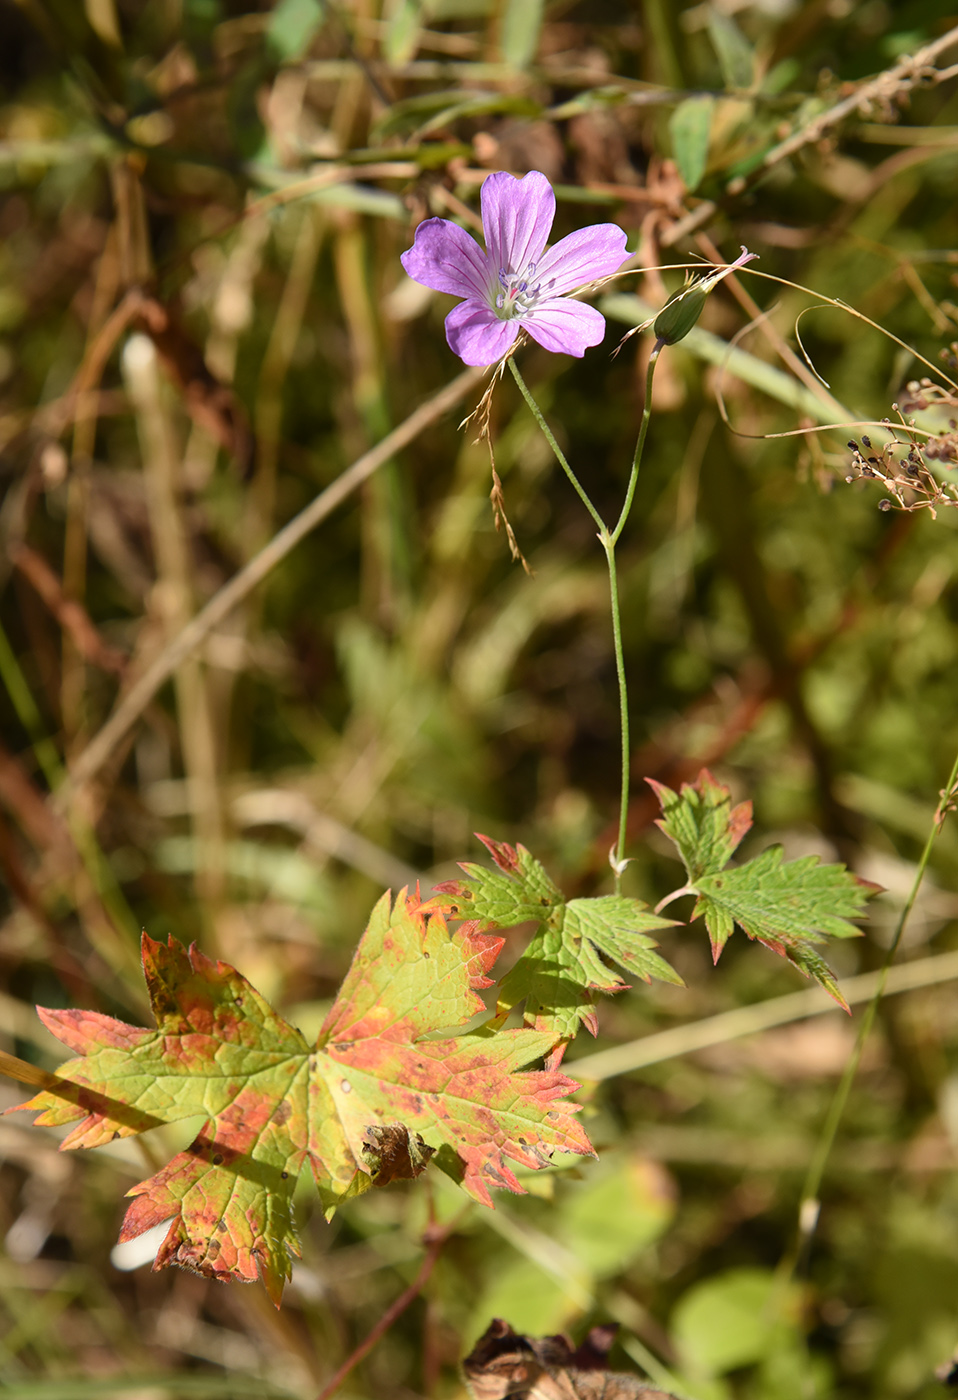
[(618, 864), (536, 412), (639, 443), (608, 540), (809, 1207)]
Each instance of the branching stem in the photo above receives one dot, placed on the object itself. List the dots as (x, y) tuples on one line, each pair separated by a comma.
[(608, 540), (676, 894), (560, 456)]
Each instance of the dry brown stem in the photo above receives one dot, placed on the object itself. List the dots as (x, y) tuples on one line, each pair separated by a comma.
[(131, 707)]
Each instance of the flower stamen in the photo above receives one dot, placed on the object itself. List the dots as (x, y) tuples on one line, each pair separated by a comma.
[(518, 296)]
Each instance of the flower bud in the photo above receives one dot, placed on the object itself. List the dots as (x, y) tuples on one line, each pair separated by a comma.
[(683, 308), (679, 314)]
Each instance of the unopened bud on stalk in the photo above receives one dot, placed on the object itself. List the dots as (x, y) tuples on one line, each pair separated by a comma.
[(683, 308)]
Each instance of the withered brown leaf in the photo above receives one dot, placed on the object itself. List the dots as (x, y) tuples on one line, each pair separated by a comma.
[(392, 1153), (505, 1363)]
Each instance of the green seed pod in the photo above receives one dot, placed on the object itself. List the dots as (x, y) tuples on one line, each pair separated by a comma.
[(683, 308), (679, 314)]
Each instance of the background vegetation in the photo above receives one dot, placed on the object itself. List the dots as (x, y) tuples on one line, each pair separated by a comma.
[(203, 322)]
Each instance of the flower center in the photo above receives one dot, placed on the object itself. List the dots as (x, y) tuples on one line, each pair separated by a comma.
[(519, 293)]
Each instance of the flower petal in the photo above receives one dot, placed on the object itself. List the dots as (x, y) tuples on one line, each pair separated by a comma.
[(517, 217), (564, 327), (581, 257), (445, 258), (476, 334)]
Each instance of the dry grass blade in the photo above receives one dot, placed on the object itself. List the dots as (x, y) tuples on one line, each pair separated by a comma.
[(131, 707)]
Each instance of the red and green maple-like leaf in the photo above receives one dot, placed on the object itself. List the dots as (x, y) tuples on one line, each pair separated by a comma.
[(372, 1100)]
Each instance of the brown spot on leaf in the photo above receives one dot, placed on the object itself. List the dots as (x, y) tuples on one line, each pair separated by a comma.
[(392, 1153)]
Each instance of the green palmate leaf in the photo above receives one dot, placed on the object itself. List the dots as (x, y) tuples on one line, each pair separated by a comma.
[(562, 968), (789, 906), (702, 823), (370, 1102), (519, 890)]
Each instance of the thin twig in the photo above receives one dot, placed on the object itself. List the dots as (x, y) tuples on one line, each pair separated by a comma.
[(761, 1016), (906, 73), (396, 1310), (70, 614), (131, 707), (808, 1207)]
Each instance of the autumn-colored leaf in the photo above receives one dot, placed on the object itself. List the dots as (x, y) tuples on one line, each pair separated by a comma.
[(370, 1102), (562, 968), (519, 890)]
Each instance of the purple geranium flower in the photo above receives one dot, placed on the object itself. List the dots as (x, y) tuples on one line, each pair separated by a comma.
[(515, 282)]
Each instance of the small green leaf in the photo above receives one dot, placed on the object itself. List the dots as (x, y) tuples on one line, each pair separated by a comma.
[(291, 27), (702, 823), (734, 52), (556, 986), (727, 1321), (788, 907), (616, 925), (690, 126), (521, 25)]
